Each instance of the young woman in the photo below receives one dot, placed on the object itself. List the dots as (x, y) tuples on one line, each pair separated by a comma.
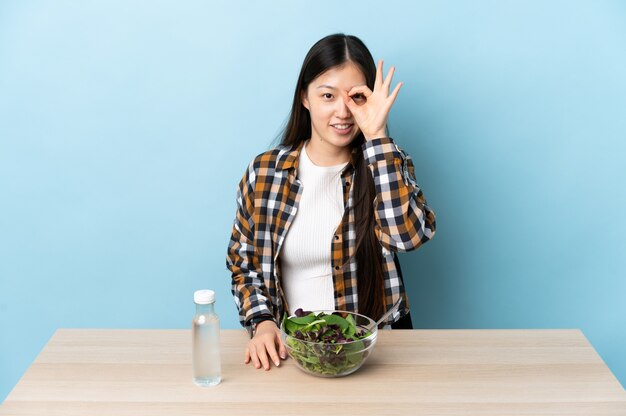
[(320, 217)]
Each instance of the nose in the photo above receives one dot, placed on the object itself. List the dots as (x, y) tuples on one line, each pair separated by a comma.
[(342, 110)]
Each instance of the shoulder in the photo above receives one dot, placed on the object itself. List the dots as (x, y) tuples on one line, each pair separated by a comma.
[(269, 162), (278, 158), (269, 158)]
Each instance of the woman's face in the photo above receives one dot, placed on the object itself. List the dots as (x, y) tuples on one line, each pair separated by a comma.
[(331, 120)]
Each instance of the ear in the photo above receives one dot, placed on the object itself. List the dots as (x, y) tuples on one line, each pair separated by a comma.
[(305, 100)]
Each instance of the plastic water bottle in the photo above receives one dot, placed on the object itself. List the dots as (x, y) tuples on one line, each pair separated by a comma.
[(206, 340)]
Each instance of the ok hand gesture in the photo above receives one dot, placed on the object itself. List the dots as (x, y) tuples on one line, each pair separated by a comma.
[(371, 112)]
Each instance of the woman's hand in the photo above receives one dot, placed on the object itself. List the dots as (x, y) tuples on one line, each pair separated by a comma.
[(263, 344), (372, 109)]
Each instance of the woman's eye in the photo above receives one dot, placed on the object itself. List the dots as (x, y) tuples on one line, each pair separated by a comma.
[(358, 97), (328, 96)]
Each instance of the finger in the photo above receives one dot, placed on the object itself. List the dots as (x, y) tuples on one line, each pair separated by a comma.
[(263, 357), (388, 79), (255, 358), (393, 95), (379, 75), (349, 101), (281, 348), (360, 89), (271, 350), (246, 359)]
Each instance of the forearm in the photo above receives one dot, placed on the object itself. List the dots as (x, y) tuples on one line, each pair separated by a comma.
[(403, 219), (247, 283)]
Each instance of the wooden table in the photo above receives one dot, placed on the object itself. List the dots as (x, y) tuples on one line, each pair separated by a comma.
[(418, 372)]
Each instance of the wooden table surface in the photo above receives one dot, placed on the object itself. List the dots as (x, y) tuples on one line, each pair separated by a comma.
[(410, 372)]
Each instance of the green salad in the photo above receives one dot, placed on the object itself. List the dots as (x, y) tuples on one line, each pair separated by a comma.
[(334, 344)]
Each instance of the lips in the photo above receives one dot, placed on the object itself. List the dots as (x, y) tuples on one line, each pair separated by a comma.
[(344, 128)]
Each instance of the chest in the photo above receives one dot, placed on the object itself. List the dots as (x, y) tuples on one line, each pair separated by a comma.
[(278, 199)]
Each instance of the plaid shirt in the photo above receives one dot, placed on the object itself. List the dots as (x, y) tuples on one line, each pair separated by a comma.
[(267, 202)]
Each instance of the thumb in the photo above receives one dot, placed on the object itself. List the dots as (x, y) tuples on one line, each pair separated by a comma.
[(282, 351), (349, 101)]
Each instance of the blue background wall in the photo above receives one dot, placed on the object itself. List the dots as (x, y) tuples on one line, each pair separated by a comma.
[(125, 127)]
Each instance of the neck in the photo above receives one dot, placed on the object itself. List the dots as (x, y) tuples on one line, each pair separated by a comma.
[(203, 309), (323, 153)]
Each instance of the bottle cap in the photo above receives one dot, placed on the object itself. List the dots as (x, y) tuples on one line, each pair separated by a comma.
[(204, 297)]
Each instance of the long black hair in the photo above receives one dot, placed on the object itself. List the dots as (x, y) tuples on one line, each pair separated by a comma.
[(329, 52)]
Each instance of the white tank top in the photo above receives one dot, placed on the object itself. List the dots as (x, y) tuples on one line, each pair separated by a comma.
[(306, 272)]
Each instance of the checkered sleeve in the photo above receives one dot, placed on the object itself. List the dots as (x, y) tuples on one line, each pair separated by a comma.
[(404, 220), (248, 285)]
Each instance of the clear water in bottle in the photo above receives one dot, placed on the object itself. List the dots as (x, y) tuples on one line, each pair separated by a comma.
[(206, 336)]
